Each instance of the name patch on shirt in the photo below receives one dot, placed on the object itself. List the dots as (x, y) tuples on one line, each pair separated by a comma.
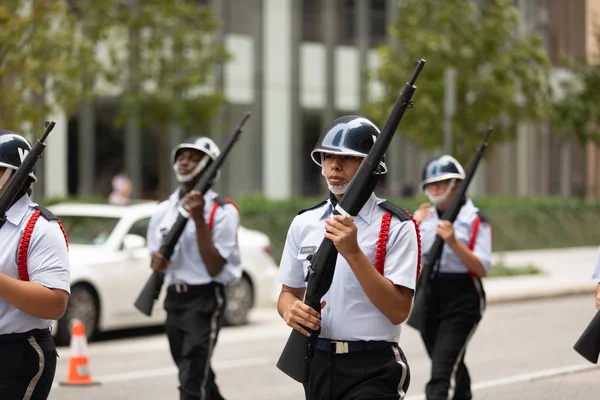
[(308, 249)]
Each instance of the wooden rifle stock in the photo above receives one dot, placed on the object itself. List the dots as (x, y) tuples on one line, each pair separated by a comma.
[(152, 288), (297, 354), (418, 314)]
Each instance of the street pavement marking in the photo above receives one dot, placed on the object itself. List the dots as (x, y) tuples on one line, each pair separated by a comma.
[(156, 372), (534, 376)]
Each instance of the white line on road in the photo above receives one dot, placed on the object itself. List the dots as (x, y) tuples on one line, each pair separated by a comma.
[(548, 373), (156, 372)]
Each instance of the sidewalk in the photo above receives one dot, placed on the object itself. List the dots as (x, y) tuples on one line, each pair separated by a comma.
[(566, 271)]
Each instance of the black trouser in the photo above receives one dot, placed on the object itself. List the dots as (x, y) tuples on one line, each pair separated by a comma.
[(194, 318), (455, 308), (27, 365), (375, 374)]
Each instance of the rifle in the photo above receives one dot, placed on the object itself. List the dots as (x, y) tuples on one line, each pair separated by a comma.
[(588, 344), (18, 181), (152, 288), (418, 315), (297, 354)]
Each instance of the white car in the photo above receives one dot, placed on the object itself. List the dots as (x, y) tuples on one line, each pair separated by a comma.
[(110, 265)]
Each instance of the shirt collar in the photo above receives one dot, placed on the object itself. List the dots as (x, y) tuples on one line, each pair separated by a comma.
[(365, 213), (174, 197), (16, 213)]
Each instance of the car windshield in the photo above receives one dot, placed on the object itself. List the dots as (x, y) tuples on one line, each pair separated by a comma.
[(86, 229)]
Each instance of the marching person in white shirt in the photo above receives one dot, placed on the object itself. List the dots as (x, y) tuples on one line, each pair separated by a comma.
[(457, 299), (34, 284), (205, 260), (357, 354)]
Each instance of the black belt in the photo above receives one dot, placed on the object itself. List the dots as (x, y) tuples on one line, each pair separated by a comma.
[(341, 347), (452, 276), (9, 337), (181, 288)]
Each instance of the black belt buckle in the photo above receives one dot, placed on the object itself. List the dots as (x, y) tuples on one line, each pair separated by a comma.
[(181, 288)]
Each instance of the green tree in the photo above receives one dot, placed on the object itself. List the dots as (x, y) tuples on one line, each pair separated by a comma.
[(40, 54), (502, 75), (576, 104), (161, 55)]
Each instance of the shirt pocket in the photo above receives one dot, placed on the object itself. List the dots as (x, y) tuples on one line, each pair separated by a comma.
[(303, 258), (351, 282)]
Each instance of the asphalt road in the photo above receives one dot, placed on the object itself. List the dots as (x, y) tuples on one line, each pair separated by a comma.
[(520, 351)]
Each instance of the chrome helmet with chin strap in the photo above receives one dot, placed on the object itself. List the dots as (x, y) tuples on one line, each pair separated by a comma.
[(350, 135), (13, 150), (200, 143), (441, 169)]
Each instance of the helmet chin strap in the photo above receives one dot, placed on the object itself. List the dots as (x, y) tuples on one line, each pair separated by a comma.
[(440, 198), (335, 189), (188, 177), (5, 176)]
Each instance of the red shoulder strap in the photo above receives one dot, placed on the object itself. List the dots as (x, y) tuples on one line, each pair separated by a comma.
[(418, 231), (213, 211), (211, 218), (474, 233), (382, 242), (474, 237), (24, 244)]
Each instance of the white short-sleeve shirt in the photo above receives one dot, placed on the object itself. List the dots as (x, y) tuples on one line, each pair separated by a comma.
[(349, 314), (463, 231), (596, 273), (186, 264), (47, 262)]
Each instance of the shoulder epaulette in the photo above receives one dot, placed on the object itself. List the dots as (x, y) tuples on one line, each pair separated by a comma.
[(313, 207), (221, 202), (47, 214), (398, 212), (483, 217)]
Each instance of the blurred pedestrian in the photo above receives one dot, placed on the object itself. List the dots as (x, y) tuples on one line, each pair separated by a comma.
[(121, 194)]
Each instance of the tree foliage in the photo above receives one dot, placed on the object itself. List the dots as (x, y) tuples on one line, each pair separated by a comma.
[(41, 54), (55, 52), (161, 55), (502, 75), (576, 108)]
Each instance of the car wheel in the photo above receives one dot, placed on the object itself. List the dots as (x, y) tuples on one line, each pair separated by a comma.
[(239, 302), (82, 306)]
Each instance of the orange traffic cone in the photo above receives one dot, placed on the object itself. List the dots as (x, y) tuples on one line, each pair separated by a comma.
[(79, 369)]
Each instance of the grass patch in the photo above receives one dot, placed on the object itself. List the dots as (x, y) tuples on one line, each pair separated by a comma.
[(503, 271)]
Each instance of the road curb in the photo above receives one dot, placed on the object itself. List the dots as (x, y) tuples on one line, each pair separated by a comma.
[(548, 291)]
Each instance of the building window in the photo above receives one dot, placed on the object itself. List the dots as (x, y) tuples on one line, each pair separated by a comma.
[(311, 20), (377, 22), (312, 180)]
